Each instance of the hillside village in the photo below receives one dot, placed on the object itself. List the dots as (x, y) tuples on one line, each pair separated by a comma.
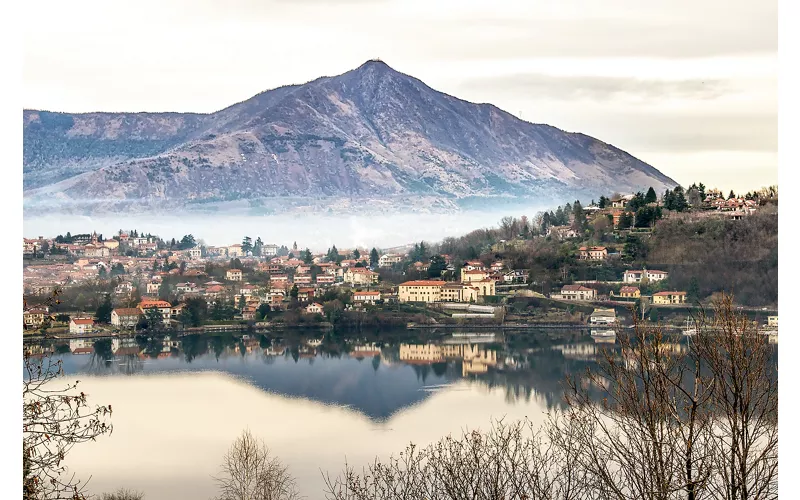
[(137, 281)]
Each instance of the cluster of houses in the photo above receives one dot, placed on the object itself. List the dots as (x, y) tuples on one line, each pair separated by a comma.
[(627, 291)]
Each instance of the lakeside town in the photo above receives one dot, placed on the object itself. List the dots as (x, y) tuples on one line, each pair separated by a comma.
[(136, 282)]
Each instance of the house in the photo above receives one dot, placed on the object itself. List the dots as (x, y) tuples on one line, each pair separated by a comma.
[(593, 253), (561, 232), (772, 321), (92, 250), (187, 288), (235, 251), (360, 276), (194, 253), (473, 275), (214, 291), (603, 317), (629, 292), (269, 250), (153, 287), (176, 311), (367, 297), (472, 265), (302, 279), (578, 292), (125, 288), (233, 275), (164, 307), (497, 266), (34, 318), (634, 276), (303, 294), (618, 203), (669, 298), (81, 325), (389, 259), (314, 308), (248, 290), (325, 279), (516, 276), (125, 317)]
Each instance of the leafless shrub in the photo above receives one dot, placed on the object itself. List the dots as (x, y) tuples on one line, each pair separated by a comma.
[(250, 472), (509, 461), (55, 418), (122, 494)]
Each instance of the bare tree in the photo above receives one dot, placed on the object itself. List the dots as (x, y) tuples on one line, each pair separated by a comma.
[(122, 494), (649, 436), (745, 404), (55, 418), (250, 472), (510, 461)]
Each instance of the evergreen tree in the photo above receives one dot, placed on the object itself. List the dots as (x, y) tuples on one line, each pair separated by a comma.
[(247, 245), (307, 257), (603, 202), (356, 254), (257, 247), (436, 267), (103, 313), (373, 257), (693, 292), (294, 292), (731, 195), (650, 197), (679, 202), (625, 220)]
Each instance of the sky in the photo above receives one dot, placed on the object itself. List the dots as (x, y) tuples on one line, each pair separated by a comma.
[(689, 86)]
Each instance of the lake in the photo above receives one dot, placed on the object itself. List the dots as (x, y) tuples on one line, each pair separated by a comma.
[(179, 403)]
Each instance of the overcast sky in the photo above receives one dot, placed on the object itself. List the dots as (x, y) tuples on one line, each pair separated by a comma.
[(689, 86)]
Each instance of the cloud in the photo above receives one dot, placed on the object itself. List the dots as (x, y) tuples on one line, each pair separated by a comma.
[(596, 87)]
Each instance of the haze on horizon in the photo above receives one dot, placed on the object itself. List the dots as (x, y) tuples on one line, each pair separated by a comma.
[(689, 87)]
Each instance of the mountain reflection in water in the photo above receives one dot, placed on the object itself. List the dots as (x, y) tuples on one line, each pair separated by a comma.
[(374, 375)]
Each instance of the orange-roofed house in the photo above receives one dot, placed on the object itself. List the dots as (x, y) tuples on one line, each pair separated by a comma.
[(314, 308), (164, 307), (81, 325), (669, 298), (593, 253), (368, 297), (420, 291), (630, 292)]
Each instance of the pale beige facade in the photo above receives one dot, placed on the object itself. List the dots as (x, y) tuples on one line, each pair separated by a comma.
[(420, 291)]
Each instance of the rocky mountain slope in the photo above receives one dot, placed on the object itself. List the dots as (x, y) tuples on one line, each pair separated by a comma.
[(369, 133)]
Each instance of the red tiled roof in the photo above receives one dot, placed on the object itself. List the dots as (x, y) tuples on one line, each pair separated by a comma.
[(661, 294), (83, 321), (628, 289), (366, 293), (146, 304), (576, 288), (423, 283)]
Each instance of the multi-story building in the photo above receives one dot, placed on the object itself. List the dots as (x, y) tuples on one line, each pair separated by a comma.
[(125, 317), (233, 275), (578, 292), (389, 259), (420, 291), (593, 253)]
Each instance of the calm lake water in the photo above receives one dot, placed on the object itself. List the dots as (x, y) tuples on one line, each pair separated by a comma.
[(178, 404)]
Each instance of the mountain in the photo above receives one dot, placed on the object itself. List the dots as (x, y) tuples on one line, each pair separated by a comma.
[(372, 133)]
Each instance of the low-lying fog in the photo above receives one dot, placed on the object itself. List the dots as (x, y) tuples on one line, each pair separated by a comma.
[(317, 232)]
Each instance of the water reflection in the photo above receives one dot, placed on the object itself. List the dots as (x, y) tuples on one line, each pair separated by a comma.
[(376, 375)]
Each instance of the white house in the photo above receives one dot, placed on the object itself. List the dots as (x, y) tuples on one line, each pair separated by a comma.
[(314, 308), (635, 276), (125, 317), (81, 325), (368, 297)]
